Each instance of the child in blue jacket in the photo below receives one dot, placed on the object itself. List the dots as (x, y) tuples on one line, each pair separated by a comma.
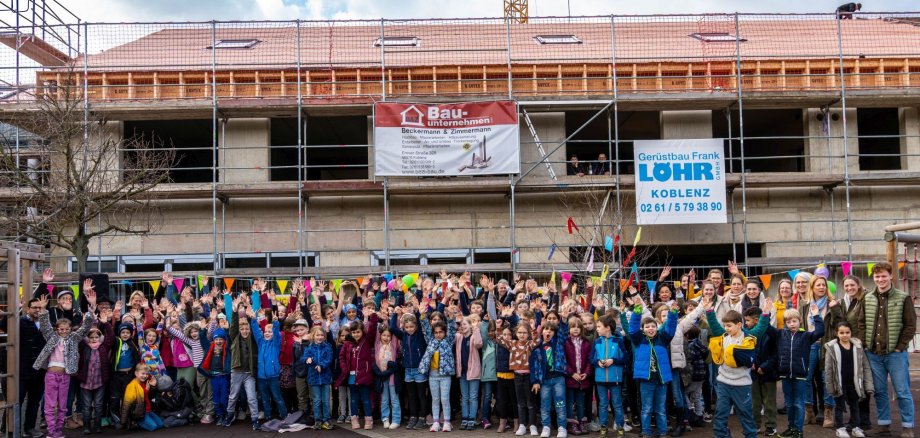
[(413, 345), (268, 374), (609, 356), (318, 359), (548, 370), (652, 365)]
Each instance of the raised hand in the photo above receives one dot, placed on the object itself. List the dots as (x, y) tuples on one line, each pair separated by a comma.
[(87, 285), (733, 267), (43, 302), (167, 278), (674, 306), (766, 306), (47, 275), (665, 272), (814, 309), (833, 303), (90, 295)]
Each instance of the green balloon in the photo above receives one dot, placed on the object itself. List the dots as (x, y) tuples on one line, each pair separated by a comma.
[(831, 286), (408, 280)]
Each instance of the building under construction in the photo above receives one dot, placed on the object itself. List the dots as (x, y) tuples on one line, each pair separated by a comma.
[(272, 127)]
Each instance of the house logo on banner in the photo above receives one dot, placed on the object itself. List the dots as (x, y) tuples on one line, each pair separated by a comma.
[(480, 138), (680, 182)]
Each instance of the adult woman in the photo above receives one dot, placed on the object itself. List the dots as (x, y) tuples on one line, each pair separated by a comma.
[(783, 302), (732, 299)]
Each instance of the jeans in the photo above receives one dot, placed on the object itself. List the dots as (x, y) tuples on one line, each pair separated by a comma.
[(817, 377), (344, 401), (575, 403), (677, 392), (764, 394), (389, 404), (794, 393), (92, 403), (654, 399), (488, 388), (56, 387), (469, 399), (412, 375), (220, 392), (360, 399), (238, 381), (739, 397), (270, 389), (552, 395), (321, 402), (896, 366), (151, 422), (440, 395), (610, 394)]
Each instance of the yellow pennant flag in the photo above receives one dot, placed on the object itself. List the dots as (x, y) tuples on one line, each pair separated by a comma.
[(869, 267), (76, 290), (282, 285), (677, 284), (822, 265), (638, 235), (901, 265), (604, 272), (201, 281), (155, 284), (337, 284), (552, 278)]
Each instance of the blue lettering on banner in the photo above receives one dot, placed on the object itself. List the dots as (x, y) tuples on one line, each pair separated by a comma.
[(676, 172)]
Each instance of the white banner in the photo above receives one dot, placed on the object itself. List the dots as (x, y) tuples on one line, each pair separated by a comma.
[(680, 182), (479, 138)]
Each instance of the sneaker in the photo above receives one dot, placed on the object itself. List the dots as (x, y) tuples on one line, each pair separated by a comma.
[(435, 427), (386, 424), (485, 424), (533, 431), (707, 417), (627, 427), (521, 431), (255, 425), (603, 432), (907, 432), (545, 432), (327, 425), (446, 427), (769, 431), (207, 419), (857, 433), (411, 423), (341, 419), (788, 433), (593, 427), (561, 432), (621, 433), (842, 433)]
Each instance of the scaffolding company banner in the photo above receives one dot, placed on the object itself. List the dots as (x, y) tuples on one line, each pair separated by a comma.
[(680, 182), (478, 138)]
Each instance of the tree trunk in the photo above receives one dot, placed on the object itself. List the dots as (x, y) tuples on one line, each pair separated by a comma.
[(81, 250)]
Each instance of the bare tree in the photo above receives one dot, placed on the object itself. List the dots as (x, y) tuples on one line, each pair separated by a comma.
[(80, 180)]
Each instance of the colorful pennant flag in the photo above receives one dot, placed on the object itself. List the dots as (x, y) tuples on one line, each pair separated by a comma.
[(623, 285), (605, 272), (179, 282), (552, 278), (552, 250), (50, 288), (591, 261), (200, 280), (677, 284), (571, 225), (869, 268), (847, 266), (76, 290), (901, 265), (308, 287), (765, 280), (793, 273), (229, 282), (638, 235), (608, 243), (651, 288), (566, 276), (282, 285), (632, 253), (155, 285), (337, 285)]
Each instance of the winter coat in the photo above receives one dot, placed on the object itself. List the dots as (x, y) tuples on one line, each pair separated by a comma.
[(487, 354), (237, 360), (205, 367), (862, 372), (298, 350), (697, 352), (678, 359), (359, 358), (382, 378), (413, 346), (502, 358), (71, 343), (445, 350), (322, 356), (269, 351), (765, 357), (135, 403), (105, 355), (855, 314), (575, 366), (540, 369), (660, 342), (794, 349), (31, 342), (474, 363), (611, 347)]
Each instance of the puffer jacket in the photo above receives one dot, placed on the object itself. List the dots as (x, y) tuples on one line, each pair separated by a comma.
[(322, 356), (678, 358), (612, 347), (488, 354), (794, 349), (862, 373), (642, 352), (413, 346), (269, 351), (71, 343), (765, 356)]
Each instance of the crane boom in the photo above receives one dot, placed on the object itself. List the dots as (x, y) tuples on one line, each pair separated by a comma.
[(516, 10)]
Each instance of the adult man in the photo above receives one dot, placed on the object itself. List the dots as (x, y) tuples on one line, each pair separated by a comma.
[(890, 326), (602, 166), (846, 10)]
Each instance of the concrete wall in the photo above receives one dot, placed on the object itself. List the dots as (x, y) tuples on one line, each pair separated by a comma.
[(824, 146), (909, 121), (244, 155), (550, 129), (686, 124)]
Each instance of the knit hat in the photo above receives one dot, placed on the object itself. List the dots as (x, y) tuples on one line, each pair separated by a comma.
[(350, 308), (64, 292), (302, 322), (220, 333), (125, 326), (221, 316), (164, 382)]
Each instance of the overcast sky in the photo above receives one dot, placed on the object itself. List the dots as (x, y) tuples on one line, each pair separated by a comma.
[(203, 10)]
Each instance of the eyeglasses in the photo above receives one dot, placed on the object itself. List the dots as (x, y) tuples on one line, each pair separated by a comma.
[(35, 308)]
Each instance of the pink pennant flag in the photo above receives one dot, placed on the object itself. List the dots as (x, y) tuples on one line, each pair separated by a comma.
[(307, 287), (847, 266), (567, 276), (179, 282), (50, 289)]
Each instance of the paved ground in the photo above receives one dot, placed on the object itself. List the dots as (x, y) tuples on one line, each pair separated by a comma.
[(241, 429)]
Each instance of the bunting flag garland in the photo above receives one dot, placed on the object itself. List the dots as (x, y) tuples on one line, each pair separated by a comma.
[(847, 266), (901, 265), (869, 268), (638, 235), (179, 282), (571, 225), (591, 261), (308, 287), (552, 250), (155, 284), (50, 288), (76, 291), (793, 273), (623, 285), (608, 243), (201, 279), (229, 282), (282, 285), (765, 280)]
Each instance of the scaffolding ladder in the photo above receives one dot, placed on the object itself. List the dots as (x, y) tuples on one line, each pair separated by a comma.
[(536, 139)]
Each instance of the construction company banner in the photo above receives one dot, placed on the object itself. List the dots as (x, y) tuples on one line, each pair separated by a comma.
[(479, 138), (680, 182)]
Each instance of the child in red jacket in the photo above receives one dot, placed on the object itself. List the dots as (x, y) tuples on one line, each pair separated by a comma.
[(578, 376), (356, 358)]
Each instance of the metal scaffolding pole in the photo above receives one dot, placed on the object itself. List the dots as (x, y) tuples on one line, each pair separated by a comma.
[(513, 230), (214, 142), (744, 229), (616, 154), (386, 222), (731, 169), (301, 204), (846, 141)]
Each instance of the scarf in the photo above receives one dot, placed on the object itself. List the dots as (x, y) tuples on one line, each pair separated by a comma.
[(821, 302)]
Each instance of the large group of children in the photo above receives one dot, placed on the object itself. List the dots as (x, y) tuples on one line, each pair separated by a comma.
[(539, 359)]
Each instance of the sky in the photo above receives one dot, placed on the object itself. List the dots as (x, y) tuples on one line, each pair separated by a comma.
[(204, 10)]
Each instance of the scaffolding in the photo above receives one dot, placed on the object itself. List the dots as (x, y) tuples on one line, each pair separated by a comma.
[(608, 67)]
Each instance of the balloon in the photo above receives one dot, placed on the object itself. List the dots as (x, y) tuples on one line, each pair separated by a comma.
[(831, 286), (391, 285), (408, 281), (822, 272)]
